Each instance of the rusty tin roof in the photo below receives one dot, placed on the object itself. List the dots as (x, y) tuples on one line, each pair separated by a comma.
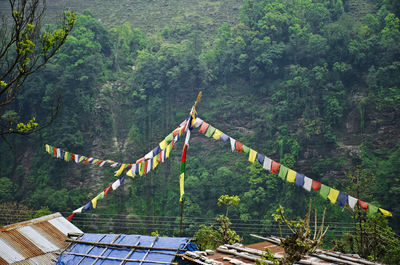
[(37, 241)]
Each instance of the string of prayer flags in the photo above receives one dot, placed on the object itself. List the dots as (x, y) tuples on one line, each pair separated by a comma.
[(288, 174), (183, 162)]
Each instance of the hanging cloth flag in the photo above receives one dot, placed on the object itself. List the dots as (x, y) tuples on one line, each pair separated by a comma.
[(385, 213), (79, 210), (116, 184), (291, 176), (233, 143), (210, 131), (88, 206), (363, 204), (252, 156), (260, 158), (299, 180), (94, 203), (245, 149), (224, 138), (283, 172), (183, 162), (372, 210), (333, 195), (307, 183), (169, 147), (324, 191), (267, 163), (342, 199), (47, 148), (107, 189), (163, 144), (275, 166), (352, 201), (69, 218), (204, 127), (149, 155), (119, 171), (316, 185), (217, 134), (197, 122), (239, 146), (169, 138)]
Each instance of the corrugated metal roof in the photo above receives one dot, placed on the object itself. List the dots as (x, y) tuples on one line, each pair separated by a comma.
[(36, 241), (123, 249)]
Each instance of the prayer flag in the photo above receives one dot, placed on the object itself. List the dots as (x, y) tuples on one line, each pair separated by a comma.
[(67, 156), (120, 170), (82, 158), (316, 185), (182, 186), (324, 191), (107, 189), (385, 213), (275, 166), (307, 183), (155, 162), (197, 122), (252, 155), (79, 210), (116, 184), (245, 149), (141, 168), (352, 201), (342, 199), (239, 146), (140, 160), (363, 204), (145, 166), (333, 195), (169, 138), (149, 155), (260, 158), (73, 156), (169, 147), (69, 218), (100, 195), (233, 143), (94, 202), (299, 180), (204, 127), (88, 206), (224, 138), (163, 155), (163, 144), (291, 176), (156, 150), (372, 210), (283, 172), (217, 134), (149, 165), (102, 163), (58, 153), (47, 148), (267, 163), (210, 131), (51, 150)]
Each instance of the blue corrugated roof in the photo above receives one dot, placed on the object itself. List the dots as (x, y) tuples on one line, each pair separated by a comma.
[(123, 249)]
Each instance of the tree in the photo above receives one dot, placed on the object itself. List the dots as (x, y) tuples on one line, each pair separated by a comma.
[(24, 49)]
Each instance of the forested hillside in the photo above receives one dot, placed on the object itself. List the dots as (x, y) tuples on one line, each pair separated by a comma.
[(311, 84)]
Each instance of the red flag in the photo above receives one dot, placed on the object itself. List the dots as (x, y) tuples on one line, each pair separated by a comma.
[(69, 218), (239, 146), (54, 151), (86, 161), (145, 166), (316, 185), (183, 159), (107, 189), (275, 166), (363, 204), (72, 156), (204, 127), (140, 160)]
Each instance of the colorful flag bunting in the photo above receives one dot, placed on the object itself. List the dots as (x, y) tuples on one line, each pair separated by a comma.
[(333, 195), (324, 191), (283, 172), (197, 122), (233, 143), (217, 134), (210, 131), (224, 138), (299, 180), (94, 202), (363, 204), (163, 144), (274, 167), (307, 183), (385, 213), (352, 201), (245, 149), (291, 175), (204, 127), (316, 185), (116, 184), (183, 161), (239, 146), (342, 199), (69, 218), (372, 210), (252, 155), (107, 189), (267, 163), (260, 158)]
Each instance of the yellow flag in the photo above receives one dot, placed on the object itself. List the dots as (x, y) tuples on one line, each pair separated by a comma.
[(252, 155), (291, 176), (129, 173), (385, 213), (155, 162), (120, 170), (182, 185), (163, 144), (94, 202), (82, 158), (141, 165), (333, 195), (65, 156), (217, 134), (168, 150), (47, 148)]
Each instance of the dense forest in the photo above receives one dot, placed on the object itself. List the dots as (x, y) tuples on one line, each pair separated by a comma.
[(314, 85)]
